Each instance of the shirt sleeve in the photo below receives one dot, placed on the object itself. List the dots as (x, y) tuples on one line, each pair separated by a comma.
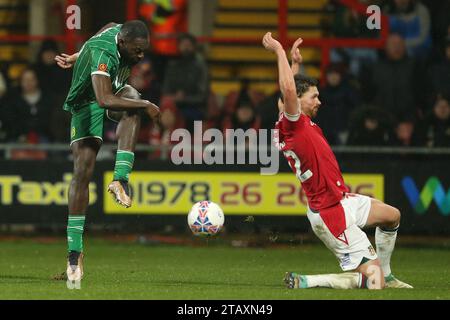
[(291, 122), (292, 117), (101, 62)]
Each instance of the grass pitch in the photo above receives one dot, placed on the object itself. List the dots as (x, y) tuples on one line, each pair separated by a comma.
[(208, 271)]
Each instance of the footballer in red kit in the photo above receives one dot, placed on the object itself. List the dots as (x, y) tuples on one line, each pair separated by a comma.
[(312, 160), (336, 216)]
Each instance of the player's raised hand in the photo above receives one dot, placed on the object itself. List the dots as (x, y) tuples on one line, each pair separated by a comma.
[(295, 52), (270, 43), (66, 61)]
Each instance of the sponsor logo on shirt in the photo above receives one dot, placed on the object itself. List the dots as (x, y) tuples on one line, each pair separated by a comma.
[(102, 67)]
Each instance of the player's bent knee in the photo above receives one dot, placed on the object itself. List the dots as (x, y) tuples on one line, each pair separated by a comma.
[(394, 217)]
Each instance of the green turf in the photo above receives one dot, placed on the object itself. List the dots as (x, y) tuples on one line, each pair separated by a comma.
[(135, 271)]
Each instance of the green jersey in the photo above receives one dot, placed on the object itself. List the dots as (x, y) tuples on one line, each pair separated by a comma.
[(99, 55)]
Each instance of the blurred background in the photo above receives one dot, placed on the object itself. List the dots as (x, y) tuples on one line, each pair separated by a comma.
[(385, 110)]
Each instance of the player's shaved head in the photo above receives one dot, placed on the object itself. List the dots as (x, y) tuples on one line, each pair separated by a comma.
[(133, 41), (134, 29)]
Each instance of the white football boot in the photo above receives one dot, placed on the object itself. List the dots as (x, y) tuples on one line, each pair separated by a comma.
[(74, 272), (393, 282)]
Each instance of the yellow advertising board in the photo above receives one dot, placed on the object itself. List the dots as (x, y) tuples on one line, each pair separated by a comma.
[(236, 192)]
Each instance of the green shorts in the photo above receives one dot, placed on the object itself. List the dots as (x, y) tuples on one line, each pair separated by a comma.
[(87, 122)]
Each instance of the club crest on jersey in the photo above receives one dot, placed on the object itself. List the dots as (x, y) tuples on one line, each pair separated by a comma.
[(102, 67), (343, 238)]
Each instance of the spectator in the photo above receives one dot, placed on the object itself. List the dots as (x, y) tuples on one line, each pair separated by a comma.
[(55, 81), (186, 81), (27, 111), (393, 83), (439, 73), (370, 126), (405, 133), (339, 98), (51, 77), (268, 112), (164, 18), (245, 95), (435, 128), (411, 20), (440, 13), (349, 23), (244, 117)]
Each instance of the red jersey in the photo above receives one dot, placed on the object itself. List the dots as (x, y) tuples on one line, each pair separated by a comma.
[(310, 157)]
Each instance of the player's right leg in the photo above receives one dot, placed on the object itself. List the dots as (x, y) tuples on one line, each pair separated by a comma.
[(353, 250), (127, 132), (386, 219), (84, 154)]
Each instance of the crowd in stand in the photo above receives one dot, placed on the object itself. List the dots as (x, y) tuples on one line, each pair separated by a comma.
[(397, 96)]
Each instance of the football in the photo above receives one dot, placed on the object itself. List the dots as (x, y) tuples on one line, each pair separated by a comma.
[(205, 218)]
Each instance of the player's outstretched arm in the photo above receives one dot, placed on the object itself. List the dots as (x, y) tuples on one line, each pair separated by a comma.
[(67, 61), (106, 99), (296, 57), (285, 75)]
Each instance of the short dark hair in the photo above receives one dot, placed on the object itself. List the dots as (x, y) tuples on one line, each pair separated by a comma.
[(302, 84), (134, 29)]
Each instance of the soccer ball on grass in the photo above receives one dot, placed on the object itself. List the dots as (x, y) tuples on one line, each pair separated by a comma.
[(205, 218)]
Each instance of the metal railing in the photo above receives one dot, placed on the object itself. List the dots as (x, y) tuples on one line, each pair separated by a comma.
[(108, 150)]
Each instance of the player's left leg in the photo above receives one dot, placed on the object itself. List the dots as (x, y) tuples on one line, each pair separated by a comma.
[(386, 219), (346, 280), (352, 248), (127, 133)]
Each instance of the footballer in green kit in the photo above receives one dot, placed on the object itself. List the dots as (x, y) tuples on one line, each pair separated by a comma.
[(99, 90)]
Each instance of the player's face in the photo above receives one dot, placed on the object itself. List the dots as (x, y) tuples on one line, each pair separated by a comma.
[(310, 102), (133, 51)]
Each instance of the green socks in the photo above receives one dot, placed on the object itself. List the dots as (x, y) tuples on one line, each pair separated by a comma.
[(124, 165), (75, 228)]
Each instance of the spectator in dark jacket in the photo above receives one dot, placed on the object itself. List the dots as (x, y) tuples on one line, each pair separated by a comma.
[(411, 19), (339, 98), (27, 110), (392, 83), (439, 73), (435, 128), (405, 133), (370, 126), (186, 81), (51, 77)]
